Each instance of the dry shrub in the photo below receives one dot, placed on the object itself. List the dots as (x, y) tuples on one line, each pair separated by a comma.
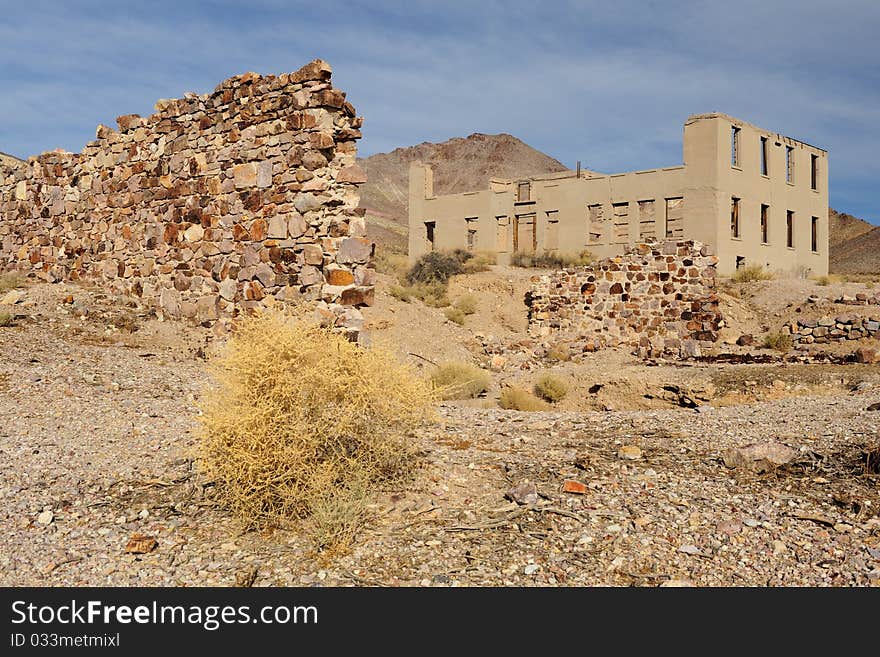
[(750, 274), (479, 261), (551, 388), (391, 262), (455, 380), (779, 341), (301, 423), (6, 319), (559, 352), (11, 280), (467, 304), (438, 266), (829, 279), (520, 399), (431, 294), (456, 315), (550, 260)]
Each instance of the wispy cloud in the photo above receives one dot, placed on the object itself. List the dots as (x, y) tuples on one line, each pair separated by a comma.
[(606, 83)]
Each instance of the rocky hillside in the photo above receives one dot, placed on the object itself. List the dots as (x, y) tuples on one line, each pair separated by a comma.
[(460, 165), (854, 245)]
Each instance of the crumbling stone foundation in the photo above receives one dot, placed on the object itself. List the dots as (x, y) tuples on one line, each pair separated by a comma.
[(659, 298), (214, 204)]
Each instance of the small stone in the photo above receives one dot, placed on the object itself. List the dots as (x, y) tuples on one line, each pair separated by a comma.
[(576, 487), (141, 544), (194, 233), (46, 518), (629, 452), (676, 584), (690, 549), (12, 297), (532, 569), (525, 492)]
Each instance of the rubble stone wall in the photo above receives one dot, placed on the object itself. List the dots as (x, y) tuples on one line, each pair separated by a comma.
[(213, 204), (658, 297), (834, 329)]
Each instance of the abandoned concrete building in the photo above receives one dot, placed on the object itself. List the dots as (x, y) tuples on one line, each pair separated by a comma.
[(754, 197)]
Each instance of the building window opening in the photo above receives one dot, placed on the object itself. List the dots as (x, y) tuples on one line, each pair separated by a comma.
[(523, 192), (551, 239), (734, 217), (471, 223), (740, 262), (789, 229), (814, 172), (789, 164), (429, 233), (765, 221), (734, 146), (814, 234), (764, 167)]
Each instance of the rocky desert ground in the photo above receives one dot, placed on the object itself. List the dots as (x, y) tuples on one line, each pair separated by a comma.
[(642, 475)]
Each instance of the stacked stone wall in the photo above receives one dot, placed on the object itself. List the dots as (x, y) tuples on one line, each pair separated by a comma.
[(213, 204), (660, 298)]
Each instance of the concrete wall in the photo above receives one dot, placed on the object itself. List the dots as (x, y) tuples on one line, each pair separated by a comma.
[(213, 204), (561, 205)]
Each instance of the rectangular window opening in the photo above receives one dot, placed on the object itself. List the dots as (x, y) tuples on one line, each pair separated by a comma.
[(789, 164), (814, 172), (596, 218), (734, 217), (502, 235), (814, 234), (647, 221), (765, 224), (429, 233), (621, 222), (523, 192), (764, 168), (551, 237), (675, 218), (789, 229), (734, 146)]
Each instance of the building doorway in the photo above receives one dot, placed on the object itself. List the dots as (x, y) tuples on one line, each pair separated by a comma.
[(524, 236)]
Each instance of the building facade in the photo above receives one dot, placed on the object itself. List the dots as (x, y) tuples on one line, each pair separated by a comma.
[(754, 196)]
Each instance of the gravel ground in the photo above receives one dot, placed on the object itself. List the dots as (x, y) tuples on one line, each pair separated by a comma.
[(97, 444)]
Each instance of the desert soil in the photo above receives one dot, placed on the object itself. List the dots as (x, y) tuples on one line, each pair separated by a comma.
[(98, 438)]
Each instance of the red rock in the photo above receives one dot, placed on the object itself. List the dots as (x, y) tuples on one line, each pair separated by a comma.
[(576, 487)]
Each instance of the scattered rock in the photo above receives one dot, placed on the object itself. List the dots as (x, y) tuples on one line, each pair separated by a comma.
[(525, 492), (629, 452), (745, 340), (576, 487), (141, 544), (12, 297), (759, 457), (46, 518)]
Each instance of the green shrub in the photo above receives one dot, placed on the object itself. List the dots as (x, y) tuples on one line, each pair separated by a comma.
[(779, 341), (520, 399), (299, 421), (551, 388), (750, 274), (466, 304), (456, 380), (438, 266), (454, 314)]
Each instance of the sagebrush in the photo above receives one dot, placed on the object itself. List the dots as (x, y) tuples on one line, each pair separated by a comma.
[(11, 280), (454, 380), (780, 341), (551, 388), (301, 423), (750, 274), (550, 259), (520, 399)]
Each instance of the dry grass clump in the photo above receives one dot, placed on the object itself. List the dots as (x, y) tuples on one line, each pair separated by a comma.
[(551, 388), (431, 294), (10, 281), (454, 380), (300, 423), (6, 319), (828, 279), (467, 304), (550, 260), (391, 262), (750, 274), (779, 341), (438, 266), (479, 261), (520, 399), (560, 351)]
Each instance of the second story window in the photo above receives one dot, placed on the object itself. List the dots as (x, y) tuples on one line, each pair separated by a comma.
[(789, 164), (765, 224), (734, 217), (523, 192), (814, 172), (789, 229), (734, 146), (764, 168)]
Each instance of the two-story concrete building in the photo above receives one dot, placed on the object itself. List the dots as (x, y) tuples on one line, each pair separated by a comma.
[(757, 197)]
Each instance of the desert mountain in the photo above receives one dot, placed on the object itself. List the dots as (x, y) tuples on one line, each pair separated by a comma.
[(460, 165), (854, 244)]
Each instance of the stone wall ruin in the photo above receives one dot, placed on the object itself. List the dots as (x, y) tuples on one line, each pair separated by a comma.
[(214, 204), (659, 298)]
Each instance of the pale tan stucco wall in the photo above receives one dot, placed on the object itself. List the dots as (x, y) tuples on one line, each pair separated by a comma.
[(707, 182)]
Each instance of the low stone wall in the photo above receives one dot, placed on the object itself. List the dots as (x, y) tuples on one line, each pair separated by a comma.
[(214, 204), (660, 298), (837, 329)]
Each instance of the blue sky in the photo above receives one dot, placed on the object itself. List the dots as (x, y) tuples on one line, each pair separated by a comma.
[(607, 83)]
